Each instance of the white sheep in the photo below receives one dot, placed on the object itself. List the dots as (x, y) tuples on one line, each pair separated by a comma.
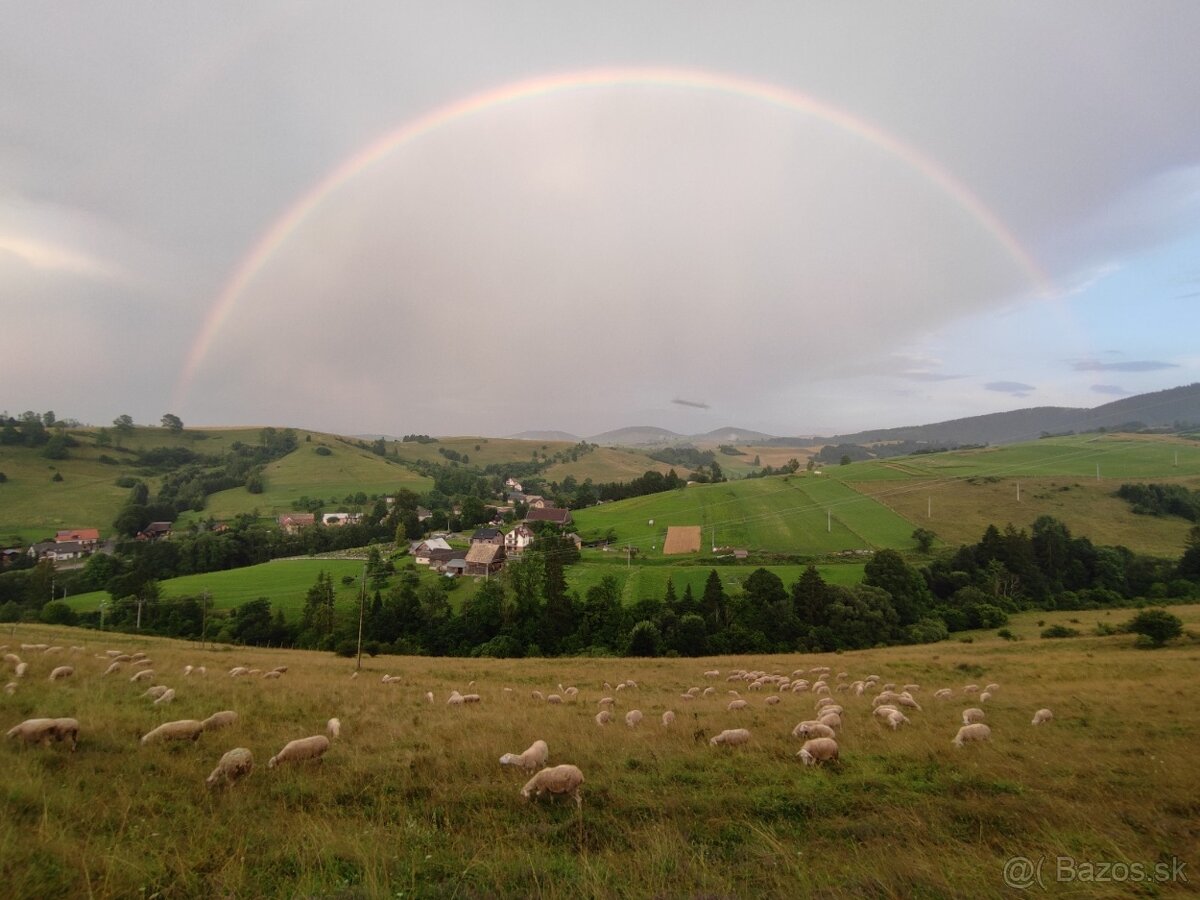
[(334, 727), (429, 697), (992, 688), (895, 719), (299, 750), (222, 719), (167, 696), (731, 737), (455, 699), (553, 698), (280, 669), (43, 731), (975, 732), (234, 765), (985, 696), (736, 705), (471, 698), (833, 720), (564, 779), (62, 672), (668, 719), (819, 750), (155, 691), (201, 671), (713, 673), (144, 675), (943, 694), (12, 659), (141, 654), (534, 757), (187, 671), (772, 700), (633, 718), (1042, 716), (22, 668), (970, 689), (812, 729), (10, 688), (603, 717), (606, 701), (181, 730), (538, 696), (973, 715), (238, 671), (272, 674)]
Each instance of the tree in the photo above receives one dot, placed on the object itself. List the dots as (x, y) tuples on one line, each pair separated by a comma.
[(713, 602), (1156, 624), (924, 538), (643, 639), (48, 418), (910, 595), (123, 426), (171, 422)]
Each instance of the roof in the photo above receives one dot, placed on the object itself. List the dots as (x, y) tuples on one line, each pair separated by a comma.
[(484, 554), (431, 544), (157, 528), (455, 564), (485, 534), (682, 539), (549, 514), (297, 519), (447, 555), (78, 534)]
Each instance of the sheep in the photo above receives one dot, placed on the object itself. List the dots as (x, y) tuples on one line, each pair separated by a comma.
[(167, 696), (222, 719), (687, 696), (824, 701), (10, 688), (187, 670), (564, 779), (985, 696), (772, 700), (883, 711), (819, 750), (970, 689), (53, 650), (155, 691), (709, 691), (668, 719), (354, 675), (143, 675), (12, 659), (22, 668), (606, 701), (301, 749), (429, 697), (633, 718), (141, 654), (911, 688), (603, 717), (201, 671), (943, 694), (907, 700), (737, 704), (271, 674), (280, 669), (471, 698), (992, 688), (238, 671), (387, 679), (553, 698), (713, 673), (731, 737), (112, 654), (833, 720), (180, 730), (43, 731), (253, 672), (455, 699), (538, 696), (334, 727), (533, 758), (62, 672), (812, 730), (975, 732), (895, 719), (1042, 716), (972, 715), (234, 765), (142, 662), (571, 693)]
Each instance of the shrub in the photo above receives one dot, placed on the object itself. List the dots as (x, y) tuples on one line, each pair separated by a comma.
[(346, 648), (125, 481), (1157, 625), (1060, 631), (1007, 635), (57, 613), (927, 631), (322, 451)]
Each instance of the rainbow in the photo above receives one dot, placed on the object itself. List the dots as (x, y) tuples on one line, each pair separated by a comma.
[(591, 79)]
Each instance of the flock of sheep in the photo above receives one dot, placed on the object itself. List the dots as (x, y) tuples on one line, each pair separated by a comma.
[(890, 707)]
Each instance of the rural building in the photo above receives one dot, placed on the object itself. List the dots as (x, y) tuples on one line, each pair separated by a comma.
[(339, 519), (549, 514), (58, 551), (517, 540), (293, 523), (454, 568), (485, 559), (537, 502), (422, 550), (488, 536), (155, 531), (88, 538), (682, 539), (513, 484), (423, 514)]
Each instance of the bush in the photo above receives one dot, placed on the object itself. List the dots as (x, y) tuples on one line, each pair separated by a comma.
[(322, 451), (1007, 635), (125, 481), (1060, 631), (57, 613), (926, 631), (346, 648), (1157, 625)]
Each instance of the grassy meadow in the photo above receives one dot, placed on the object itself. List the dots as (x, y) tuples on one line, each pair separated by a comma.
[(410, 801)]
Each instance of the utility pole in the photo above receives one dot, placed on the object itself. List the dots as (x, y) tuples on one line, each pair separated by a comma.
[(139, 613), (362, 603), (828, 520), (204, 620), (1018, 492), (929, 508)]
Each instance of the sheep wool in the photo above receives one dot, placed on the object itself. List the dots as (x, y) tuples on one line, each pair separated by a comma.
[(180, 730), (222, 719), (299, 750), (730, 737), (668, 719), (819, 750), (564, 779), (973, 715), (1042, 716), (43, 731), (234, 765), (334, 727), (633, 718), (969, 733), (534, 757), (62, 672)]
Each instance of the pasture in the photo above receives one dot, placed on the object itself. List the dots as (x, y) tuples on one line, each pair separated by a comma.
[(411, 801)]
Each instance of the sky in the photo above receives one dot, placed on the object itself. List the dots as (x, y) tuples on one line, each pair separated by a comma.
[(483, 218)]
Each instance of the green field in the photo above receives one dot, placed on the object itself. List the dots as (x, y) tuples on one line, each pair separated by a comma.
[(410, 800), (803, 514)]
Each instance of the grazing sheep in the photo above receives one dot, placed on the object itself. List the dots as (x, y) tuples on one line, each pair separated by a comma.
[(943, 694), (819, 750), (533, 758), (976, 732), (10, 688), (737, 704), (252, 672), (62, 672), (687, 696), (882, 712), (181, 730), (712, 673), (603, 717), (144, 675), (668, 719), (201, 671), (633, 718), (238, 671), (812, 730), (12, 659), (455, 699), (973, 715), (429, 697), (970, 689), (53, 650), (895, 719), (280, 669), (985, 696), (271, 674), (22, 668), (299, 750), (112, 667), (564, 779), (235, 765), (112, 654), (187, 670), (387, 679), (155, 691), (141, 654), (538, 696), (222, 719), (553, 698), (142, 662), (833, 720), (471, 698), (43, 731), (772, 700), (606, 701), (167, 696), (911, 688), (907, 700), (992, 688), (334, 727), (354, 675), (1042, 716), (731, 737)]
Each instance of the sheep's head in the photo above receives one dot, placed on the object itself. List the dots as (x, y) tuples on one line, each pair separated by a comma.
[(806, 757)]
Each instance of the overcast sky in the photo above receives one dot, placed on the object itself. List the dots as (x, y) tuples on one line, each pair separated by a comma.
[(798, 218)]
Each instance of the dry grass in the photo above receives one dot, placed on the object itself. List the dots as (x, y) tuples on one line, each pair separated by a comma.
[(411, 800)]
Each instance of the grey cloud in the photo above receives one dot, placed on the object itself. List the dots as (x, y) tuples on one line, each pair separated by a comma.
[(1015, 388), (1110, 389), (1143, 365)]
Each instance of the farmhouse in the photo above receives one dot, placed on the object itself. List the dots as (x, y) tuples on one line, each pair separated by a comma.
[(517, 540), (59, 551), (682, 539), (422, 550), (488, 536), (513, 484), (155, 531), (293, 523), (87, 538), (549, 514), (485, 559), (339, 519)]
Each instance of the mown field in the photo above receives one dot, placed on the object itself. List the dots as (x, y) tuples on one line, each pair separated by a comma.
[(800, 513), (410, 800)]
